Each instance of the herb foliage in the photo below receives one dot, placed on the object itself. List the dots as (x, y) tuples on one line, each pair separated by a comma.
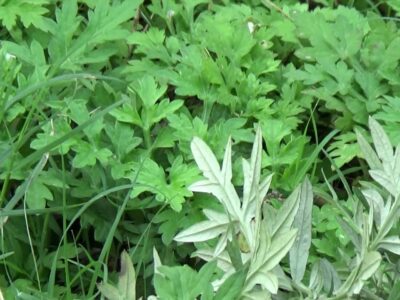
[(249, 147)]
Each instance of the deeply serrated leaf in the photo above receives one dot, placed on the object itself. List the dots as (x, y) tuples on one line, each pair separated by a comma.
[(208, 164)]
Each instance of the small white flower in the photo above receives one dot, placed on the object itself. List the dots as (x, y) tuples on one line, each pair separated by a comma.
[(9, 56), (250, 26)]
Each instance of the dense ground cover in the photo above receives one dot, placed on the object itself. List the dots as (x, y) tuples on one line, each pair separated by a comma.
[(199, 149)]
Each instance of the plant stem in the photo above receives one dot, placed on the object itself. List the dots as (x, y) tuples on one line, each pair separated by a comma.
[(147, 140)]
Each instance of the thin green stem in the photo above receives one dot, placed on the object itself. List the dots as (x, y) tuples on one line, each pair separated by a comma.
[(147, 139)]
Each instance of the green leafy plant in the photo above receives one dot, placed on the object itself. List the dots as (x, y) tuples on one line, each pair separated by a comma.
[(100, 102), (264, 236), (263, 242)]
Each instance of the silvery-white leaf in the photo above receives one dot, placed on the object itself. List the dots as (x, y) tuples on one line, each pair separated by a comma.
[(216, 216), (358, 214), (202, 231), (388, 170), (396, 165), (127, 278), (263, 239), (299, 252), (375, 200), (285, 283), (327, 267), (280, 246), (227, 163), (324, 275), (386, 209), (391, 243), (269, 255), (346, 287), (357, 287), (223, 260), (370, 264), (217, 283), (264, 186), (157, 261), (251, 210), (203, 186), (253, 171), (222, 242), (382, 143), (206, 186), (257, 295), (285, 217), (246, 184), (267, 280), (269, 212), (205, 159), (208, 164), (109, 291), (369, 154), (385, 181), (353, 235), (255, 160), (370, 220), (317, 278)]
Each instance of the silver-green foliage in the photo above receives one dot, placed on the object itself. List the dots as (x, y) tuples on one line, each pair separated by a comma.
[(126, 287), (264, 241), (265, 235)]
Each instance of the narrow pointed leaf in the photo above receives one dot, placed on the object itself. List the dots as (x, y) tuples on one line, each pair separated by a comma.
[(252, 172), (391, 243), (109, 291), (232, 286), (287, 213), (382, 143), (299, 251), (369, 154), (157, 261), (127, 278), (384, 180), (370, 264), (227, 164), (208, 164), (201, 232)]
